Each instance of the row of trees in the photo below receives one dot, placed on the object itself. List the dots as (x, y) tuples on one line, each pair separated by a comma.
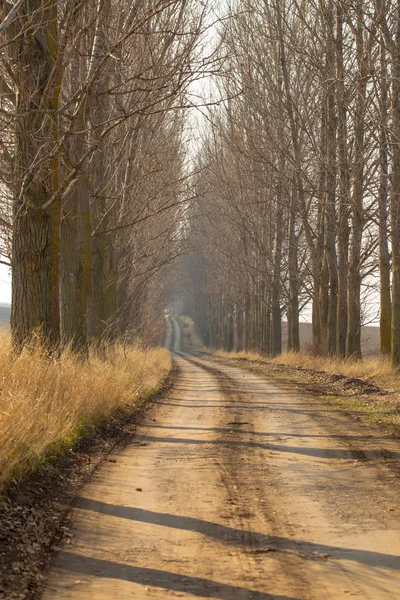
[(301, 178), (93, 173)]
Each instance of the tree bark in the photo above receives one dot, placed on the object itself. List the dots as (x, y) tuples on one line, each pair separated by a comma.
[(296, 143), (76, 238), (75, 266), (103, 290), (331, 183), (36, 239), (247, 323), (293, 324), (384, 256), (353, 341), (276, 345), (395, 196), (344, 192)]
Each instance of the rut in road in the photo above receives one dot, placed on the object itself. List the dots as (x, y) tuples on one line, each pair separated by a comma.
[(237, 489)]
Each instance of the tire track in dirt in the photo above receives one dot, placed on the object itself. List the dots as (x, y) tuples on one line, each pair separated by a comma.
[(165, 519), (235, 488), (244, 476), (334, 505)]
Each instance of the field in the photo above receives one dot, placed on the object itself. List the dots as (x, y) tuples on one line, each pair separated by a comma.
[(5, 314), (369, 338)]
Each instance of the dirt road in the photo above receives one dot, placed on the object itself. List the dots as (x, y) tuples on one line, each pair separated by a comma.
[(237, 488)]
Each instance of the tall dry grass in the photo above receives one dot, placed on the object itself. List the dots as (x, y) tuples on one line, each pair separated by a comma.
[(45, 404)]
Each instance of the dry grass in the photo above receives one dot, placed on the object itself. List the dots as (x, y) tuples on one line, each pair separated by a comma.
[(374, 369), (47, 404)]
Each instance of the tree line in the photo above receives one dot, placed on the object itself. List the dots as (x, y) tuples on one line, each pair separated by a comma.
[(94, 180), (300, 179)]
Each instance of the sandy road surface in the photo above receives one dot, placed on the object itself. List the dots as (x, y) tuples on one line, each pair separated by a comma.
[(238, 489)]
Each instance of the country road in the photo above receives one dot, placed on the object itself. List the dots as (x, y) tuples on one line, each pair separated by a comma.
[(237, 488)]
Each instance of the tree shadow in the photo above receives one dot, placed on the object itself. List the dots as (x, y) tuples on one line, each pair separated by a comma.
[(240, 537), (197, 586), (366, 437), (239, 404), (326, 453)]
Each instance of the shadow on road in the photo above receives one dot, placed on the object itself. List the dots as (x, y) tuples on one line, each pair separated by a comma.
[(255, 541), (327, 453), (368, 437), (197, 586)]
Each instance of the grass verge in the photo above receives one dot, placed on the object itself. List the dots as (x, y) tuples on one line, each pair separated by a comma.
[(367, 390), (47, 405), (74, 414)]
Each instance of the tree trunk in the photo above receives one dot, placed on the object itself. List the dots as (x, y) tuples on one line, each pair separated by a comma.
[(323, 298), (331, 184), (296, 143), (239, 329), (344, 193), (384, 256), (276, 345), (103, 293), (75, 266), (230, 334), (316, 308), (324, 302), (247, 324), (353, 341), (293, 326), (395, 197), (76, 238), (36, 239)]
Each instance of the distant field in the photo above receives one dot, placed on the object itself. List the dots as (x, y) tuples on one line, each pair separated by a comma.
[(369, 338), (5, 314)]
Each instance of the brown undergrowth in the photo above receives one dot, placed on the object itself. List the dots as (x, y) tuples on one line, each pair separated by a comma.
[(34, 508), (46, 405)]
